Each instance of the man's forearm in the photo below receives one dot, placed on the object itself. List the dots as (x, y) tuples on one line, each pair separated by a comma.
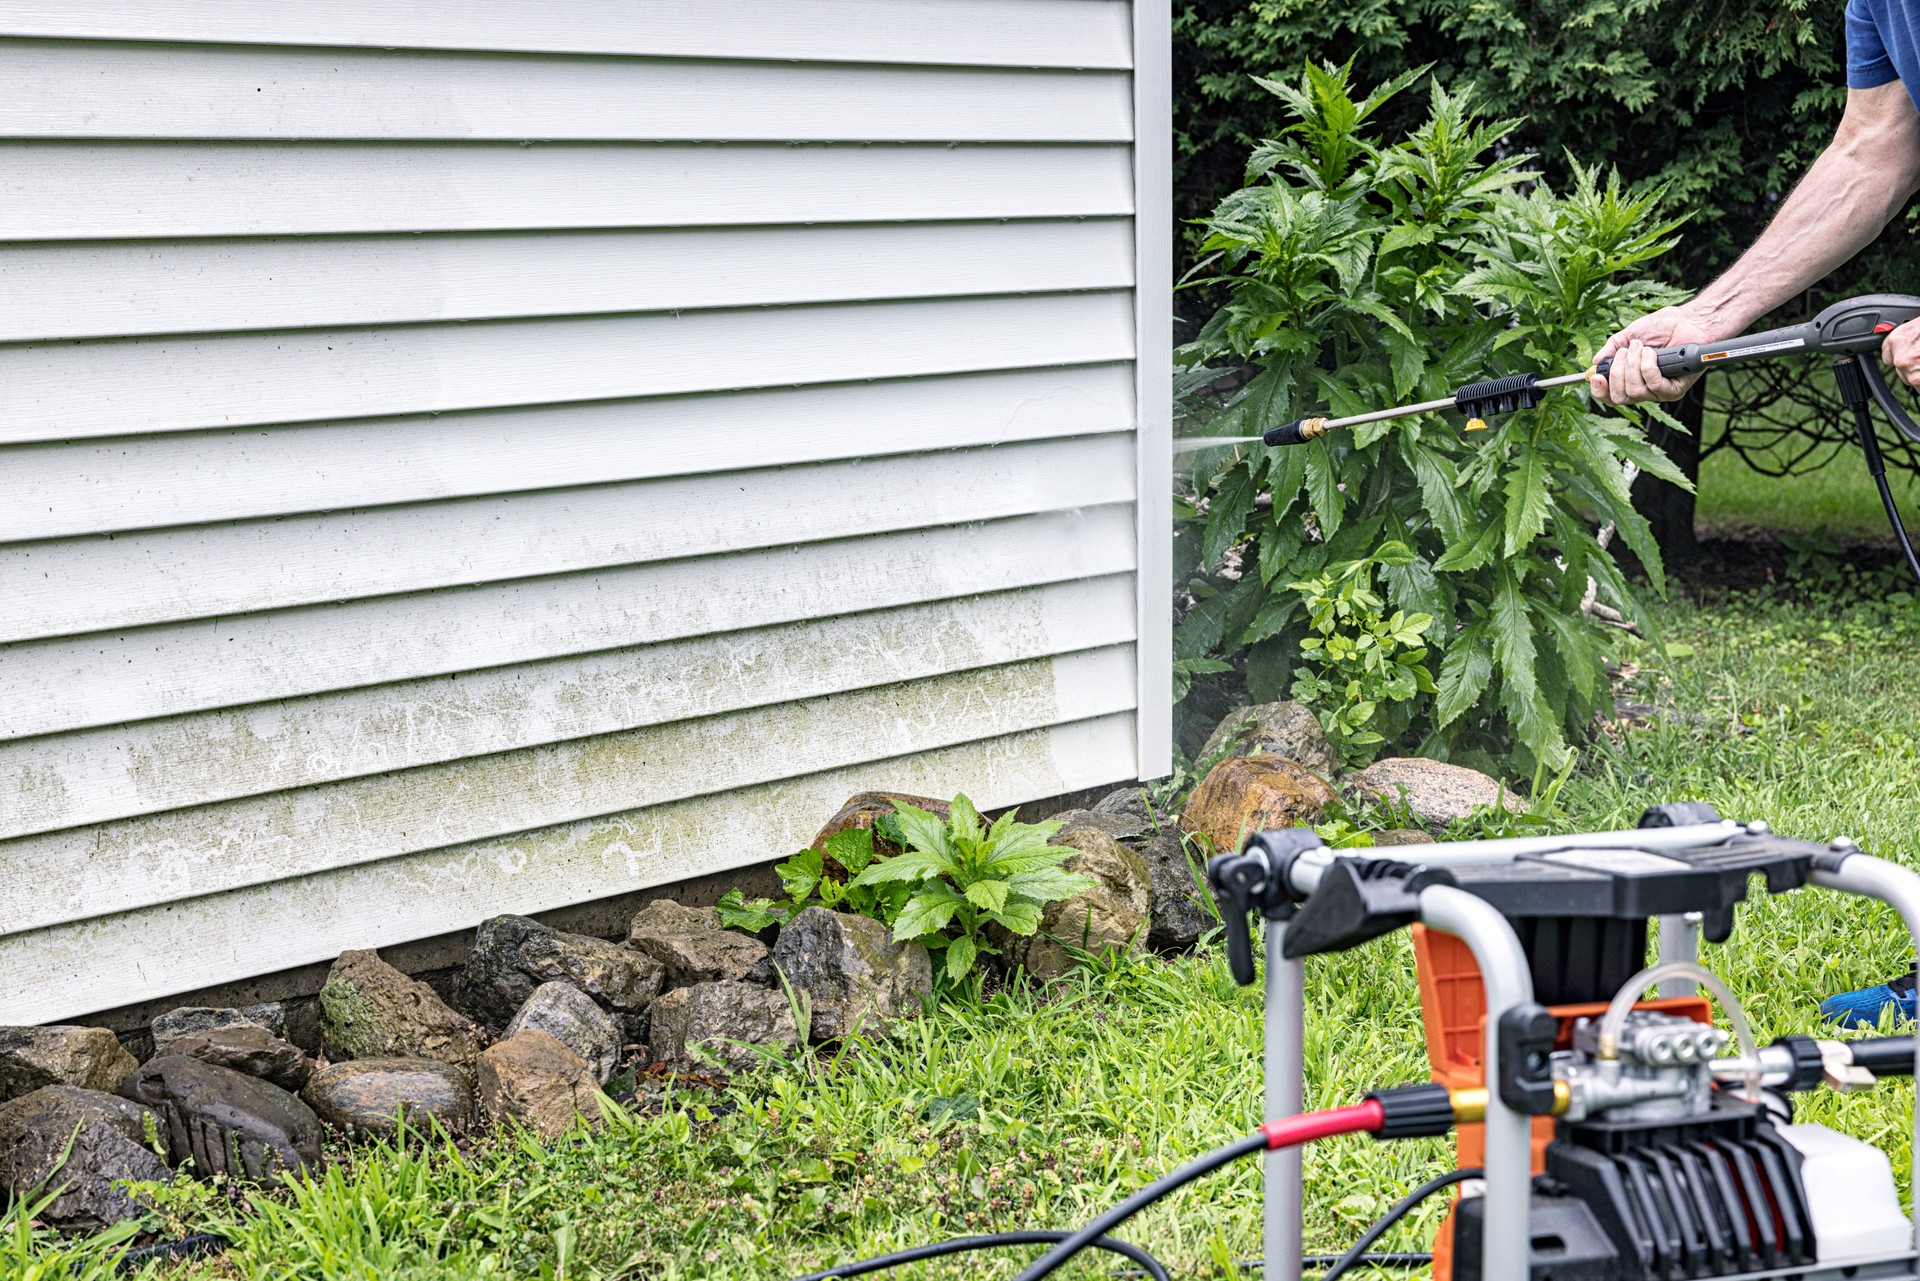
[(1859, 182)]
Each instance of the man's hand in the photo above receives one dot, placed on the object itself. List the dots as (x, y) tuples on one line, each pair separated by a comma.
[(1636, 372), (1902, 351)]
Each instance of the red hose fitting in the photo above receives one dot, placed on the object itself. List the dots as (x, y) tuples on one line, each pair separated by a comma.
[(1291, 1131)]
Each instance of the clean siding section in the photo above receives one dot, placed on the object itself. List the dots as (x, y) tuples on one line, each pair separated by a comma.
[(477, 458)]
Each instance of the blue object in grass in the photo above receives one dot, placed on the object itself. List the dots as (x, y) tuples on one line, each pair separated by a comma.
[(1863, 1008)]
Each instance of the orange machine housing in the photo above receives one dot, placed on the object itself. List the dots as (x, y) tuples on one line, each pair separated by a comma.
[(1453, 1004)]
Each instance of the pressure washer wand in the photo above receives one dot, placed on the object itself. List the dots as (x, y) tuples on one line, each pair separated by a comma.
[(1855, 326)]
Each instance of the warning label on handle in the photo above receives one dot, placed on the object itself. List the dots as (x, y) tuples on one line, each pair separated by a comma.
[(1789, 344)]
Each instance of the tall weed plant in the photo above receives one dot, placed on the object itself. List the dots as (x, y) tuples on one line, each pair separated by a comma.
[(1361, 273)]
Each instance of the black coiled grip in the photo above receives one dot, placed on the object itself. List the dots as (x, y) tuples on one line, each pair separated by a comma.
[(1500, 396)]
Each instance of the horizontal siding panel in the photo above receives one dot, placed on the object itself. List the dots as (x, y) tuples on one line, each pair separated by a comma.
[(58, 973), (1051, 33), (201, 477), (94, 776), (136, 863), (105, 190), (78, 89), (61, 391), (105, 583), (158, 287), (103, 679)]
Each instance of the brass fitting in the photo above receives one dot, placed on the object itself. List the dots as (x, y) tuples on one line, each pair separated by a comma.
[(1313, 428), (1470, 1106)]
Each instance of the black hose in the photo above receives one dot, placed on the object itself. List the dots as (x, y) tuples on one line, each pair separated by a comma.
[(199, 1245), (1078, 1241), (1883, 1055), (1394, 1214), (1149, 1265), (1876, 466)]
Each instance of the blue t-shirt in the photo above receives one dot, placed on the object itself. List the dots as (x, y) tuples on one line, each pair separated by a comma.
[(1883, 43)]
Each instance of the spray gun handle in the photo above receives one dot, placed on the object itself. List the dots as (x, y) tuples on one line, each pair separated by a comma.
[(1851, 325), (1237, 881)]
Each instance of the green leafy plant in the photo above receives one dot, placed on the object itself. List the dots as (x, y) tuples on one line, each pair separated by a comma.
[(1359, 273), (961, 876), (1361, 665), (808, 880)]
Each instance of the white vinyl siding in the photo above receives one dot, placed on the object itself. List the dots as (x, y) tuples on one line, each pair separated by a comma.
[(478, 458)]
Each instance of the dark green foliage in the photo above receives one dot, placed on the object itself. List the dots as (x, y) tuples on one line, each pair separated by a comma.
[(1724, 104), (1357, 273)]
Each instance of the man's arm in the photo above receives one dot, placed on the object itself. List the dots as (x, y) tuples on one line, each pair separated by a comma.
[(1858, 184)]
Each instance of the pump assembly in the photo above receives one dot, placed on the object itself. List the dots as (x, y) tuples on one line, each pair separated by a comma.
[(1603, 1132)]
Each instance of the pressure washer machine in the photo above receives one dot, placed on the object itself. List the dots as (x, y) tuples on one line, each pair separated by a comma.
[(1604, 1131), (1621, 1138)]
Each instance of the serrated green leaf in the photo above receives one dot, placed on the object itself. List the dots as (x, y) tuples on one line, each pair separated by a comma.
[(1048, 884), (1527, 503), (991, 895), (1227, 519), (1020, 916), (1323, 487), (960, 957)]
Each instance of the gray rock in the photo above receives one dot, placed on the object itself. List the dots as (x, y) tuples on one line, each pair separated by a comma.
[(1110, 916), (369, 1010), (248, 1048), (853, 973), (691, 944), (1179, 914), (1125, 802), (1288, 730), (110, 1145), (174, 1024), (33, 1057), (572, 1018), (513, 955), (692, 1025), (1127, 828), (1435, 792), (369, 1096), (225, 1121)]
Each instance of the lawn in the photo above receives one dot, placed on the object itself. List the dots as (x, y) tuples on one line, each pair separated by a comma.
[(1023, 1109)]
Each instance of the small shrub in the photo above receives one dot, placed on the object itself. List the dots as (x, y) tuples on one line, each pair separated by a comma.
[(962, 876), (1360, 273), (1362, 666), (807, 881)]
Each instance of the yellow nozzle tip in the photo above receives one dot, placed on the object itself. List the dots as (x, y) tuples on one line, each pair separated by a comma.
[(1476, 424)]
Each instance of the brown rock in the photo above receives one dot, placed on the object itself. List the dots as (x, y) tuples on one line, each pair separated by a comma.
[(691, 944), (188, 1019), (853, 973), (1110, 916), (863, 808), (1246, 794), (109, 1146), (370, 1010), (33, 1057), (371, 1095), (250, 1049), (1434, 792), (228, 1123), (712, 1020), (1288, 730), (538, 1082)]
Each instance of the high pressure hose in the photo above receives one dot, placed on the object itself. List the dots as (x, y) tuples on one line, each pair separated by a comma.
[(1369, 1117)]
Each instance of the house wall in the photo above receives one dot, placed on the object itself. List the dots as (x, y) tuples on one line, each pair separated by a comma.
[(463, 458)]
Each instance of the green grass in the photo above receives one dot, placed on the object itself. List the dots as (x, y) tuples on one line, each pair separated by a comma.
[(1111, 1078), (1837, 500)]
